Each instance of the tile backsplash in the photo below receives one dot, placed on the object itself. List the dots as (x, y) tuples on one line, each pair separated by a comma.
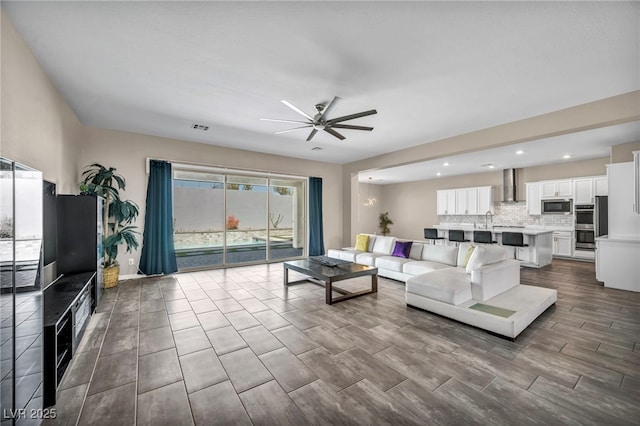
[(511, 214)]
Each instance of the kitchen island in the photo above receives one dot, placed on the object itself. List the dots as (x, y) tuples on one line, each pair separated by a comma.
[(537, 255)]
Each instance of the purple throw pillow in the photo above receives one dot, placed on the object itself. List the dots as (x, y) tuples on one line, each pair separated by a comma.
[(402, 249)]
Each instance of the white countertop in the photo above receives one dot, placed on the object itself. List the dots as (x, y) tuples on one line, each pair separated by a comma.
[(499, 230), (623, 239)]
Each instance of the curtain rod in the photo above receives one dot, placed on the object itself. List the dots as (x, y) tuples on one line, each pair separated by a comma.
[(219, 167)]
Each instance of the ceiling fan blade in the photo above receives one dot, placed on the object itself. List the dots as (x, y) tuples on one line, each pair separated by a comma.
[(296, 109), (284, 121), (291, 130), (334, 133), (349, 126), (312, 134), (352, 116), (330, 108)]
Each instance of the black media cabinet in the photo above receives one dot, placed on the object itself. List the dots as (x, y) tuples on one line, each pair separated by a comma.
[(67, 309)]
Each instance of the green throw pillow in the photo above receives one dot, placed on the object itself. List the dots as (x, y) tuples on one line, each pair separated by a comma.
[(467, 256)]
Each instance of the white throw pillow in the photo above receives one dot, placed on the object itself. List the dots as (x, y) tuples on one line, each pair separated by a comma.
[(416, 251), (476, 259)]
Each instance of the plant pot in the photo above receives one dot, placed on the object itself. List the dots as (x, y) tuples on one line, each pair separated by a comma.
[(110, 275)]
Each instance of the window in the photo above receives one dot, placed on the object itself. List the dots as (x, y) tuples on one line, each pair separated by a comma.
[(223, 219)]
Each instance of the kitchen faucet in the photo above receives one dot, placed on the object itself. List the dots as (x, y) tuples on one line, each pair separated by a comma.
[(486, 225)]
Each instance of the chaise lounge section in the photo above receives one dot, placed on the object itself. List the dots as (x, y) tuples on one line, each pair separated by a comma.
[(474, 284)]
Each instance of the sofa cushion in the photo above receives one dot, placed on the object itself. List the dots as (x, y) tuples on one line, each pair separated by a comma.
[(383, 245), (441, 254), (493, 254), (416, 251), (368, 259), (417, 267), (402, 249), (372, 241), (391, 263), (450, 286), (348, 254), (362, 242)]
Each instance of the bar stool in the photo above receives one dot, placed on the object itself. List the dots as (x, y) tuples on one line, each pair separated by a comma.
[(431, 234), (457, 236), (483, 237), (515, 240)]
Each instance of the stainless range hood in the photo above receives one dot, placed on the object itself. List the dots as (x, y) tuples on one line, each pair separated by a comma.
[(510, 190)]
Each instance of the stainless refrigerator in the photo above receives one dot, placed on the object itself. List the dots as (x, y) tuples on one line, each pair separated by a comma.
[(601, 216)]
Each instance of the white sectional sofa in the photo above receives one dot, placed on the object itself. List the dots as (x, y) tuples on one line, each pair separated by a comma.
[(481, 289)]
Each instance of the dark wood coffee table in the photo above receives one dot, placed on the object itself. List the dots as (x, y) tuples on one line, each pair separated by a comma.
[(343, 270)]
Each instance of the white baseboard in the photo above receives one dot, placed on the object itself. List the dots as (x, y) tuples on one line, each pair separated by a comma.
[(129, 277)]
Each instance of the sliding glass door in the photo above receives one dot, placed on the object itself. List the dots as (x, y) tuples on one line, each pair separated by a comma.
[(246, 235), (286, 218), (198, 219), (228, 219)]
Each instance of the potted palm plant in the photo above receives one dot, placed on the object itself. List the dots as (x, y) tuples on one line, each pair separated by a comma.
[(384, 223), (118, 215)]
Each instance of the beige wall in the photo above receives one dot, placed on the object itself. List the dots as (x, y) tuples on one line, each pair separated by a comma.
[(412, 205), (39, 129), (624, 153), (605, 112), (127, 152)]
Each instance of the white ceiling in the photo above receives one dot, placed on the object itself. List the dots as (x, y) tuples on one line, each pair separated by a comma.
[(431, 69), (578, 146)]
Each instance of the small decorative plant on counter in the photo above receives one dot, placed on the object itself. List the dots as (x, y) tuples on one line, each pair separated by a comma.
[(118, 215), (384, 223)]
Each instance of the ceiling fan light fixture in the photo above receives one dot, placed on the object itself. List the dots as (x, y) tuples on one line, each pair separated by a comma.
[(322, 121)]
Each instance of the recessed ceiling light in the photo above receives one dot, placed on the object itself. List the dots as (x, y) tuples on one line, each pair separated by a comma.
[(520, 152), (446, 164), (438, 174), (488, 166), (566, 156)]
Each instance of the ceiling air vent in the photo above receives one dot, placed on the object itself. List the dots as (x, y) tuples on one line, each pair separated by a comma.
[(200, 127), (316, 148)]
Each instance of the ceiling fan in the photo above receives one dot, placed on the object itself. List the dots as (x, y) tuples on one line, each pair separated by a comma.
[(321, 120)]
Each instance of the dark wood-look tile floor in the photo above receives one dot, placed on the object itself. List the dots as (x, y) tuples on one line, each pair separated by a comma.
[(233, 347)]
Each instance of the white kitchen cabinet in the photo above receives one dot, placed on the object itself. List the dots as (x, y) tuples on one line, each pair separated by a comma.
[(446, 201), (556, 188), (583, 191), (534, 203), (485, 199), (617, 262), (565, 188), (586, 189), (600, 186), (563, 243), (467, 201)]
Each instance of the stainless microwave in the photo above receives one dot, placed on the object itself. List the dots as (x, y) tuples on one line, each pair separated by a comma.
[(564, 206)]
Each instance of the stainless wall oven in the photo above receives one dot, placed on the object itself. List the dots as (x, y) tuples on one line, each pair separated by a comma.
[(585, 239), (584, 216), (591, 222)]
